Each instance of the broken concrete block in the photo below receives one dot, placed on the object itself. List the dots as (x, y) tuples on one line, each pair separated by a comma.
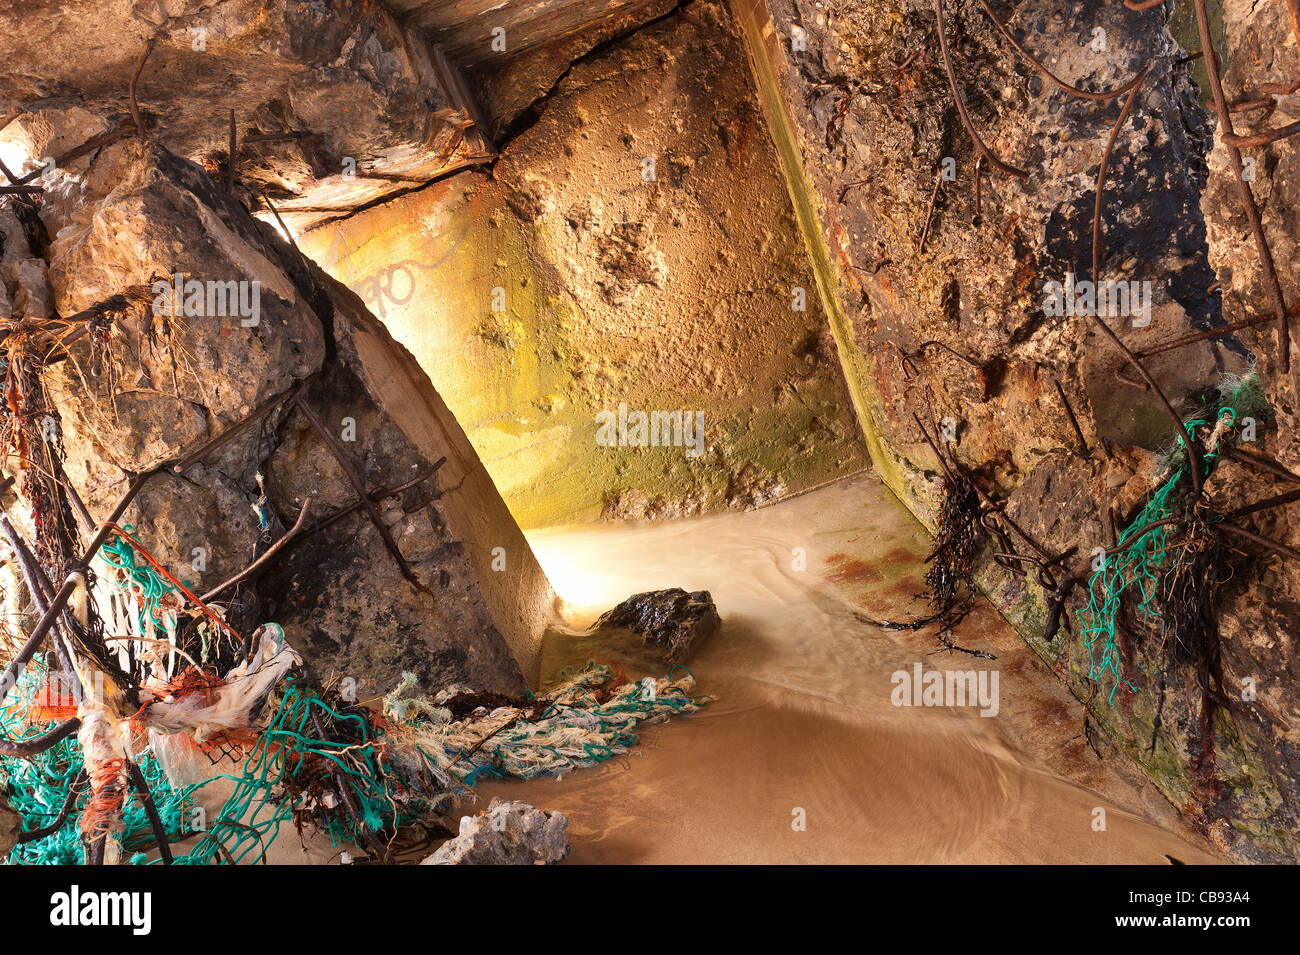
[(160, 386), (507, 833), (672, 621), (346, 601), (140, 215)]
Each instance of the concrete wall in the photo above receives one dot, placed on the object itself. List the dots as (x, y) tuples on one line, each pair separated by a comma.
[(671, 293)]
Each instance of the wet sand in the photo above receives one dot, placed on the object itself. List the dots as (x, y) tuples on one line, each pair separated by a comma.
[(804, 726)]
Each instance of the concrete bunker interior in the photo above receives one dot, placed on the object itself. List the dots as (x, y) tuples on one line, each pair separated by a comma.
[(748, 414)]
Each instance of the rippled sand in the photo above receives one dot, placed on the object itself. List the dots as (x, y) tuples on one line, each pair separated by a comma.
[(804, 719)]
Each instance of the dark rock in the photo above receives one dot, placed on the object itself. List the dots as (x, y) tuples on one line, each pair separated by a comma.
[(10, 825), (671, 620)]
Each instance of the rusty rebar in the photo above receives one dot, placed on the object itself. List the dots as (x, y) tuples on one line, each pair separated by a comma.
[(929, 212), (1278, 500), (1243, 188), (276, 137), (1074, 422), (1262, 463), (1263, 137), (302, 259), (379, 495), (122, 131), (1124, 379), (135, 79), (187, 462), (961, 104), (38, 585), (943, 462), (234, 147), (355, 480), (1261, 540), (262, 561), (1201, 336), (27, 748), (60, 600), (150, 810), (935, 343), (32, 835)]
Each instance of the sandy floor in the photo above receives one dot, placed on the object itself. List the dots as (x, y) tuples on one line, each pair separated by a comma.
[(804, 726)]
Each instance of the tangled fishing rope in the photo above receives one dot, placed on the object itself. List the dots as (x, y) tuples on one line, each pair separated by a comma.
[(582, 722), (1165, 560), (395, 768)]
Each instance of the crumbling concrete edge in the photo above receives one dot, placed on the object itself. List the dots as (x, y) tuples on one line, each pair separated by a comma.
[(760, 37)]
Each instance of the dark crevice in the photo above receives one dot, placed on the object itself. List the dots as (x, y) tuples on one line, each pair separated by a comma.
[(529, 115)]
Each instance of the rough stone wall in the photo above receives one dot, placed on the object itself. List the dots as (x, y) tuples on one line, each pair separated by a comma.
[(161, 386), (665, 294), (862, 110)]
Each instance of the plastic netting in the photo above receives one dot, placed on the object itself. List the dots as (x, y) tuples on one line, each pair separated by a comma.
[(265, 795), (1133, 571), (395, 768)]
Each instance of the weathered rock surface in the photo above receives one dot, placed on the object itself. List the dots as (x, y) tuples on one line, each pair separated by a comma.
[(1261, 623), (506, 833)]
